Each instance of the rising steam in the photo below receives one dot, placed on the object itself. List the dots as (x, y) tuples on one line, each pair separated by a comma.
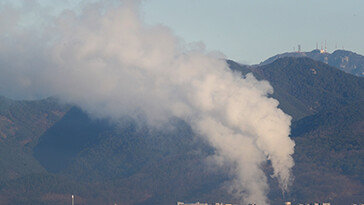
[(107, 61)]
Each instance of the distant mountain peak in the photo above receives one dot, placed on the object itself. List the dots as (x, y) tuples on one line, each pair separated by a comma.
[(344, 60)]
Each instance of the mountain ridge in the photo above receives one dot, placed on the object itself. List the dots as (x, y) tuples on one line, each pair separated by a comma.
[(130, 163), (344, 60)]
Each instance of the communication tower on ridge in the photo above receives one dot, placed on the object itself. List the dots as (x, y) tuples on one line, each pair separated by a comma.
[(325, 47), (323, 50)]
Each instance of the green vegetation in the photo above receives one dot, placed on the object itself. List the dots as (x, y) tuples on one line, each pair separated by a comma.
[(50, 151), (328, 118), (21, 124), (305, 87)]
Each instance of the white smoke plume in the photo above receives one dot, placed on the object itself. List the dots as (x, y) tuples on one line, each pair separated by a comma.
[(110, 63)]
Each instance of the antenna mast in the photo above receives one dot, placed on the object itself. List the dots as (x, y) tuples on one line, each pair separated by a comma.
[(325, 47)]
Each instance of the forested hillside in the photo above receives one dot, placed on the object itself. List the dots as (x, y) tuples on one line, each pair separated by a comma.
[(21, 125), (50, 151)]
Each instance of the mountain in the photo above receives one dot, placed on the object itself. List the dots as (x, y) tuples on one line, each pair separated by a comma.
[(329, 155), (346, 61), (21, 124), (304, 86), (328, 127), (127, 162)]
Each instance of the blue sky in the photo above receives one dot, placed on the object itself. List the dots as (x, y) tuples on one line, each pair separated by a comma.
[(250, 31)]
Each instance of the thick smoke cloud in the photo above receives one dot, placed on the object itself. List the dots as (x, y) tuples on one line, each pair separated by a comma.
[(107, 61)]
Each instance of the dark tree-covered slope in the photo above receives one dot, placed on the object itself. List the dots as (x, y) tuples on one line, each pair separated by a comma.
[(304, 86), (21, 124), (328, 127), (63, 141), (329, 155), (124, 163), (127, 162)]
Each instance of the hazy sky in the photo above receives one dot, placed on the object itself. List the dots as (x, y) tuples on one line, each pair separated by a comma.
[(250, 31)]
